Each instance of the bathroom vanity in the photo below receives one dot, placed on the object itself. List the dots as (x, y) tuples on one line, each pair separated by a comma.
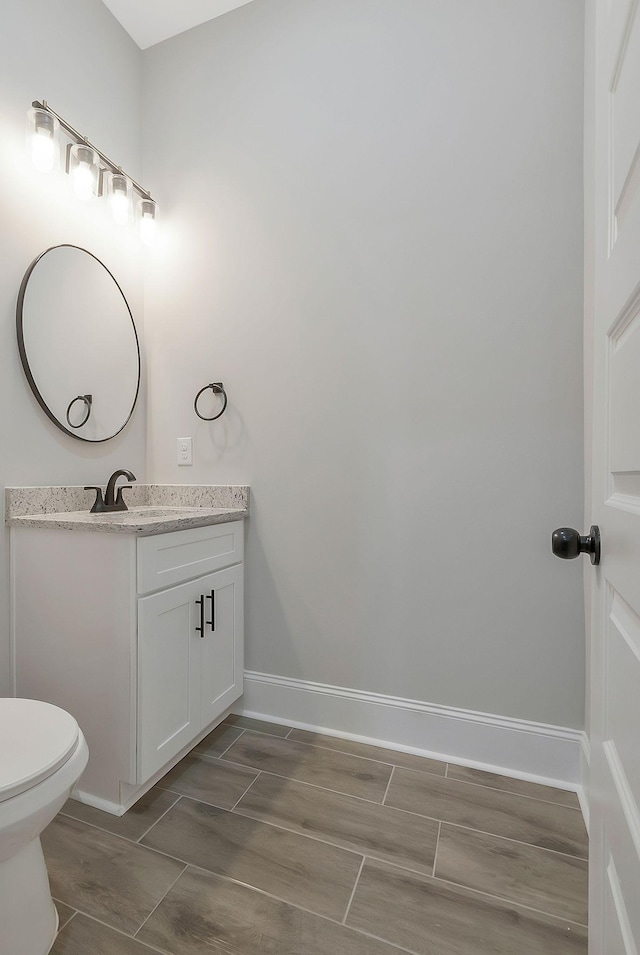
[(133, 623)]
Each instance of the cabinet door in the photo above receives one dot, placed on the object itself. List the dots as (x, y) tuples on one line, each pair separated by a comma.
[(222, 646), (168, 675)]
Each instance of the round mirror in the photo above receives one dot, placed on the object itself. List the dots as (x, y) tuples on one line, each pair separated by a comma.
[(78, 343)]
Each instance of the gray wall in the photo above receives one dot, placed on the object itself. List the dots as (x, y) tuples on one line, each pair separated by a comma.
[(372, 233), (74, 54)]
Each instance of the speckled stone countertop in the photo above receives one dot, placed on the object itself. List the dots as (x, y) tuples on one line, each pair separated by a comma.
[(152, 508)]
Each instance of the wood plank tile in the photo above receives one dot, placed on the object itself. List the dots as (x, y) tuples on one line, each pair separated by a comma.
[(102, 875), (303, 871), (83, 936), (258, 726), (510, 785), (488, 810), (431, 918), (65, 912), (534, 877), (210, 781), (135, 821), (321, 767), (218, 741), (204, 914), (373, 830), (419, 763)]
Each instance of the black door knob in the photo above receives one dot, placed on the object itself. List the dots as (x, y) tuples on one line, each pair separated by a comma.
[(568, 543)]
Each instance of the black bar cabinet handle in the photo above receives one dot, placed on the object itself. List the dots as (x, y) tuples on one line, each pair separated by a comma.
[(200, 603), (212, 622)]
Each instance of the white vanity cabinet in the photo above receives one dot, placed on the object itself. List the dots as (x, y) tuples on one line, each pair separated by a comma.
[(140, 638)]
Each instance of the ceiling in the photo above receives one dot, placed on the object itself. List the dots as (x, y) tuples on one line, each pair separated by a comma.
[(151, 21)]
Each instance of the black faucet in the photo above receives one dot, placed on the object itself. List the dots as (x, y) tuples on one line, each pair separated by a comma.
[(111, 502)]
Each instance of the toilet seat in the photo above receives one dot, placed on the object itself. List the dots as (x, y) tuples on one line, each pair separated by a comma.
[(36, 739)]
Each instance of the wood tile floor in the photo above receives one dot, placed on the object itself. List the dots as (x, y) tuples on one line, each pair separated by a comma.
[(272, 841)]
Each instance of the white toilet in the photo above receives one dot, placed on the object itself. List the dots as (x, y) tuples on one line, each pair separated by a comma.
[(42, 756)]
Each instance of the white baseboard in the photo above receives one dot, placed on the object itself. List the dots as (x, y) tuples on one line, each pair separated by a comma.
[(548, 754), (97, 802)]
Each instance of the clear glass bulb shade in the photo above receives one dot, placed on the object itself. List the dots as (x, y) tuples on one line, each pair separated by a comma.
[(84, 171), (42, 136), (119, 197), (147, 211)]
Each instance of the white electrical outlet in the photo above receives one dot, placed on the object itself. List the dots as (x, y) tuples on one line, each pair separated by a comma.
[(185, 451)]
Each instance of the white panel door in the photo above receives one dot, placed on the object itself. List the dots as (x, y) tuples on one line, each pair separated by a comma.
[(613, 76), (168, 675), (222, 645)]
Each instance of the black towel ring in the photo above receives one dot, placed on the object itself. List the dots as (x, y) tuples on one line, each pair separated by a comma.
[(218, 388), (88, 401)]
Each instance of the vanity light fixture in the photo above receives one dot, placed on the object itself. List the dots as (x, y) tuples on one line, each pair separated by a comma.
[(92, 172)]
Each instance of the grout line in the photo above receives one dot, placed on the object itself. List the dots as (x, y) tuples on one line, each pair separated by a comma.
[(446, 771), (109, 832), (232, 743), (425, 877), (251, 729), (386, 792), (435, 854), (510, 792), (282, 828), (503, 899), (345, 844), (393, 946), (117, 931), (303, 782), (294, 905), (119, 835), (325, 842), (158, 852), (353, 891), (373, 759), (147, 831), (396, 947), (245, 792), (70, 919), (160, 901), (518, 842), (340, 752)]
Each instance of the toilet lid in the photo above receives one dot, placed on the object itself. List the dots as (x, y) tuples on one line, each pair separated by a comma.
[(36, 739)]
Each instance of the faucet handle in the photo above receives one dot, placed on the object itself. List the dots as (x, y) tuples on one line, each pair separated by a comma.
[(98, 504), (120, 504)]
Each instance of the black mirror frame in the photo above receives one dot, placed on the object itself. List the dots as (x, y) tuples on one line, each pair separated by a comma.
[(23, 352)]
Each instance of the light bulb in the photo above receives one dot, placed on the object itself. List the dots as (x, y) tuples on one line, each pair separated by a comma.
[(120, 208), (82, 181), (148, 210), (43, 151), (84, 171), (119, 192), (43, 139), (148, 229)]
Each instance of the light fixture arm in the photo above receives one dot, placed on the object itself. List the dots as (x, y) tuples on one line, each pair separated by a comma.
[(79, 138)]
